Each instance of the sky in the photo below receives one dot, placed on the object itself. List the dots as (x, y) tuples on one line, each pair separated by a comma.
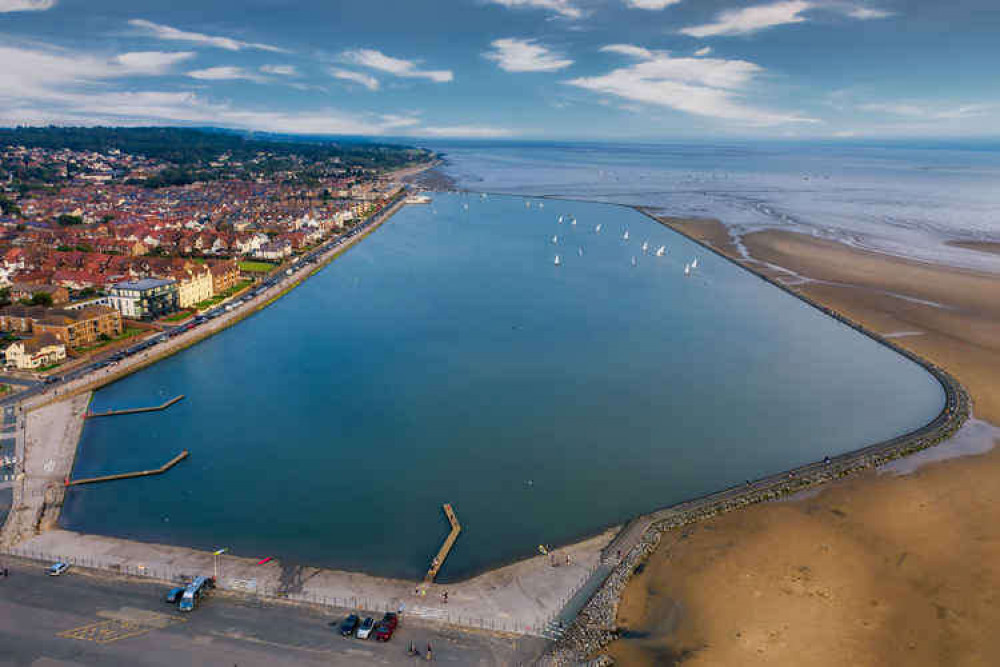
[(531, 69)]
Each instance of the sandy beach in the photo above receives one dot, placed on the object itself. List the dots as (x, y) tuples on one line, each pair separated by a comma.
[(873, 570)]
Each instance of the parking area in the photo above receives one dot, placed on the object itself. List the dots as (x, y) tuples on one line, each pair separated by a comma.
[(80, 618)]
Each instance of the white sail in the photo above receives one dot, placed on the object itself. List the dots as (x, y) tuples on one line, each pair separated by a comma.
[(687, 269), (645, 246), (555, 240), (541, 204), (579, 251), (557, 261), (573, 222), (560, 220), (597, 229), (625, 235), (661, 250), (634, 261), (694, 263)]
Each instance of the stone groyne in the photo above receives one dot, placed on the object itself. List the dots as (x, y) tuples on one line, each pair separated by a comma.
[(595, 626)]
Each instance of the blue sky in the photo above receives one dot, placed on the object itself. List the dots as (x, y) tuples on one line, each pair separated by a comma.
[(560, 69)]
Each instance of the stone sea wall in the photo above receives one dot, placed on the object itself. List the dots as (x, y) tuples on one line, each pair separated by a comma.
[(595, 625)]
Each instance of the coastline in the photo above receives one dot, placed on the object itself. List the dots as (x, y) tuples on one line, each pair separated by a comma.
[(830, 577), (633, 533)]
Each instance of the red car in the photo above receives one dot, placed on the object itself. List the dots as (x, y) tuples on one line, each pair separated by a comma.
[(385, 627)]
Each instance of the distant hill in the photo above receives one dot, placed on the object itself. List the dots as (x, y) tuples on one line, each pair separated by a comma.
[(190, 147)]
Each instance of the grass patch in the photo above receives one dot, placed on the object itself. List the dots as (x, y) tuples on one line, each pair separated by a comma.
[(256, 267), (220, 297), (128, 332), (177, 317)]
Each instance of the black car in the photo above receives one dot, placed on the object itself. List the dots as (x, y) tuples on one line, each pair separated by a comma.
[(349, 625)]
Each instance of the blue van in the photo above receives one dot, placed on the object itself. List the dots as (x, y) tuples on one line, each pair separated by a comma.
[(194, 591)]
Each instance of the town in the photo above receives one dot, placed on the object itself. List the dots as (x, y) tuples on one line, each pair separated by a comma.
[(97, 250)]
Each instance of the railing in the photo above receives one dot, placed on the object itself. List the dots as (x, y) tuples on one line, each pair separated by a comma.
[(541, 627)]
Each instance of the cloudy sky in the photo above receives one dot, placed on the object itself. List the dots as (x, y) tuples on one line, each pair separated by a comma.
[(573, 69)]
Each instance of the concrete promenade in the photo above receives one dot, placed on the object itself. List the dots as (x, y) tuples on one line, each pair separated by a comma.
[(522, 598)]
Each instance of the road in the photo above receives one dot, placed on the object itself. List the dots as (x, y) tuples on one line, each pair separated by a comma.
[(88, 619)]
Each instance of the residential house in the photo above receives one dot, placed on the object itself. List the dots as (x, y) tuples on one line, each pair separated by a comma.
[(80, 328), (37, 352)]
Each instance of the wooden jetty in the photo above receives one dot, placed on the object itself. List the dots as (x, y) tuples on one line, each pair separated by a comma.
[(132, 411), (129, 475), (449, 542)]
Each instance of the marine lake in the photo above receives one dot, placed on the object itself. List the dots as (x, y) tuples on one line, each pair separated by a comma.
[(446, 358)]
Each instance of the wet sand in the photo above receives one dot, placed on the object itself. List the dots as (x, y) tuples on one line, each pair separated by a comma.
[(879, 569)]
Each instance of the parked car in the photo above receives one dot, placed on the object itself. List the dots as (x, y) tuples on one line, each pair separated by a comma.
[(58, 569), (366, 627), (173, 596), (349, 625), (385, 627)]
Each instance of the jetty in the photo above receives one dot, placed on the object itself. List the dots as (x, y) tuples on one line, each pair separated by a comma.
[(132, 411), (449, 542), (129, 475)]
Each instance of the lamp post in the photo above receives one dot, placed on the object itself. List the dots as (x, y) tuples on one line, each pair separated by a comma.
[(216, 554)]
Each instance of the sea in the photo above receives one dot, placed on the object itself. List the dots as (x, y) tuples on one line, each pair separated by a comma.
[(450, 358), (909, 199)]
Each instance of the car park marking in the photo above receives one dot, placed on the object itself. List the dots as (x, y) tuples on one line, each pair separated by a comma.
[(119, 627)]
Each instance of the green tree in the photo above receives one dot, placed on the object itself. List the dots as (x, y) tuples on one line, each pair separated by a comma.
[(66, 220), (40, 299)]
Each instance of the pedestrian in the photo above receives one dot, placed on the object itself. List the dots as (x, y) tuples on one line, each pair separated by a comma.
[(430, 655), (444, 597)]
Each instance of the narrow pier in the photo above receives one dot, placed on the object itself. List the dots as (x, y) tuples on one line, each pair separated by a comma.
[(129, 475), (132, 411), (449, 542)]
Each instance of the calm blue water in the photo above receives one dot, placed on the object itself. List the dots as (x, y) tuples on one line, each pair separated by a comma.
[(446, 359), (903, 199)]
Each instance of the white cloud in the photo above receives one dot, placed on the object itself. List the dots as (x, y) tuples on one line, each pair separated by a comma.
[(563, 8), (703, 51), (366, 80), (225, 73), (651, 4), (26, 5), (168, 33), (279, 70), (525, 55), (47, 85), (710, 87), (926, 111), (150, 62), (752, 19), (868, 13), (397, 66), (465, 131)]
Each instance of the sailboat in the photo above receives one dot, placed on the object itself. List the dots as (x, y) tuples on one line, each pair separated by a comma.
[(541, 204), (465, 207), (645, 246), (625, 235), (555, 240), (661, 251), (557, 261), (694, 263), (579, 251), (573, 222), (560, 220), (597, 229), (634, 261), (687, 269)]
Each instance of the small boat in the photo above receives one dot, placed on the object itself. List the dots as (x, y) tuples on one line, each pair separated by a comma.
[(645, 246), (635, 262), (541, 204), (625, 235), (573, 222), (465, 207), (597, 229), (527, 204), (560, 220), (694, 263), (687, 269), (555, 240), (579, 251), (661, 251), (557, 261)]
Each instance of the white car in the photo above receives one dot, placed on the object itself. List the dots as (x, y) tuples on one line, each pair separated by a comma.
[(58, 568), (366, 627)]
